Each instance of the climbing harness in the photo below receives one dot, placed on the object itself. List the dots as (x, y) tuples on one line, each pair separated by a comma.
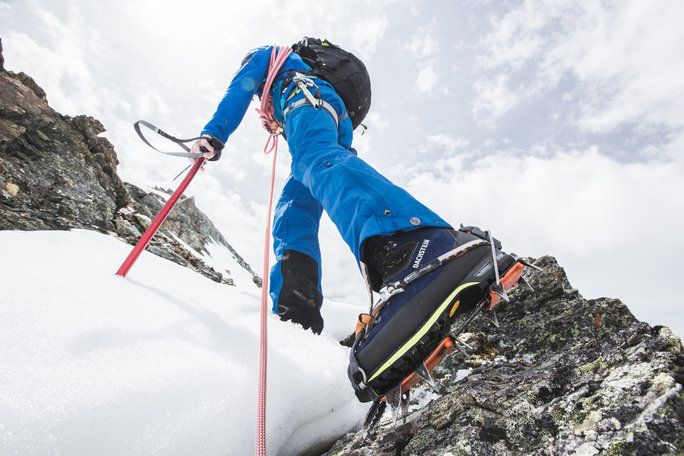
[(303, 83)]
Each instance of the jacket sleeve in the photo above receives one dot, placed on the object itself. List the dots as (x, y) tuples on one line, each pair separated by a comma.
[(245, 84)]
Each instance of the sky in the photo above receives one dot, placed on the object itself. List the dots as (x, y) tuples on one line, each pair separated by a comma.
[(557, 125)]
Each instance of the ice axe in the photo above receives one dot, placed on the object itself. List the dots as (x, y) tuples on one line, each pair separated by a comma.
[(166, 209)]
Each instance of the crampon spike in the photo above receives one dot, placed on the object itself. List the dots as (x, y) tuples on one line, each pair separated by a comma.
[(491, 316), (459, 346), (522, 281), (530, 265), (398, 397), (444, 348), (393, 399), (494, 261), (405, 398), (426, 375), (500, 291), (374, 414)]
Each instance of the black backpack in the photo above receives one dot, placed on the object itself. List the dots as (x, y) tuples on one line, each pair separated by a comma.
[(343, 70)]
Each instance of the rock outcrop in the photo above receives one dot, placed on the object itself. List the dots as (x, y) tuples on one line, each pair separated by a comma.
[(186, 222), (562, 375), (57, 172)]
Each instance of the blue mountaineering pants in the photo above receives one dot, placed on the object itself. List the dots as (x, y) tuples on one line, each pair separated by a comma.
[(327, 174)]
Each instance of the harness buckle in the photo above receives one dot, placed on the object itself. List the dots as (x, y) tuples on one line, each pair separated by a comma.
[(304, 82)]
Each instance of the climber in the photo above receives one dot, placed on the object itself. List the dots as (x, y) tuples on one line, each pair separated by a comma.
[(390, 233)]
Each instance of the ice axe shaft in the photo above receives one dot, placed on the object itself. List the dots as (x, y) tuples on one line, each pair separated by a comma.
[(158, 220)]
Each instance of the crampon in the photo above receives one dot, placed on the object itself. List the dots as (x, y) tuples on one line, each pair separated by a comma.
[(385, 369)]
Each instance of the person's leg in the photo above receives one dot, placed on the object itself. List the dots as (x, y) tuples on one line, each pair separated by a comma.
[(359, 200), (295, 280), (440, 273)]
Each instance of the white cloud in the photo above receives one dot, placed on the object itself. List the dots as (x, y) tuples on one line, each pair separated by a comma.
[(421, 44), (494, 98), (447, 141), (427, 77), (635, 68), (627, 60), (514, 38), (367, 32)]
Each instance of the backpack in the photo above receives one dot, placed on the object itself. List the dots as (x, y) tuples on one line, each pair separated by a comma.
[(343, 70)]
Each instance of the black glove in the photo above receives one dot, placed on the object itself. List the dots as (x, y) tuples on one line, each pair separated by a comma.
[(218, 147), (301, 310)]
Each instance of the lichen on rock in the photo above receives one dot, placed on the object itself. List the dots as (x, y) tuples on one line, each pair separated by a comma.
[(559, 384)]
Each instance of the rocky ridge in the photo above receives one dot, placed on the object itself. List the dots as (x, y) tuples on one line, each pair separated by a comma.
[(561, 375), (57, 172)]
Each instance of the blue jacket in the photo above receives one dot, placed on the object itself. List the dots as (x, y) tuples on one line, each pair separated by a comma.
[(247, 82)]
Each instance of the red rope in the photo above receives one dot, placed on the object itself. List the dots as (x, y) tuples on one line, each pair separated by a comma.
[(268, 121), (278, 57)]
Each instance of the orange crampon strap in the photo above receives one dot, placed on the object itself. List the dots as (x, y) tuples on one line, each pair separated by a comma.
[(508, 282), (444, 348), (362, 322), (365, 319)]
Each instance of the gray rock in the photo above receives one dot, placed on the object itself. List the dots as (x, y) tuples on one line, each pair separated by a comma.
[(186, 222), (56, 172), (562, 375)]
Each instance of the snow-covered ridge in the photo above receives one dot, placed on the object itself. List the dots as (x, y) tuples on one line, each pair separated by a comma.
[(161, 362)]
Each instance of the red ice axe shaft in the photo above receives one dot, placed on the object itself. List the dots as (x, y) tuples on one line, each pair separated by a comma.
[(158, 220)]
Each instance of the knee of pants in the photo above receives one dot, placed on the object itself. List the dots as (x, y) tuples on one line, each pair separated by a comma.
[(323, 158)]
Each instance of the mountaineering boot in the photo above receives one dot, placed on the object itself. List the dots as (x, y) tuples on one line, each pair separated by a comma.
[(427, 278), (300, 300)]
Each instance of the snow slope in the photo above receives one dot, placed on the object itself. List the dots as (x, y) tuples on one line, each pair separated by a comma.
[(161, 362)]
